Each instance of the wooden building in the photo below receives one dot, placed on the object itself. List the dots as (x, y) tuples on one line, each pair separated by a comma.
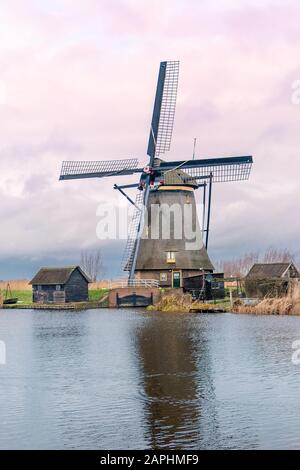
[(270, 279), (60, 285), (205, 286)]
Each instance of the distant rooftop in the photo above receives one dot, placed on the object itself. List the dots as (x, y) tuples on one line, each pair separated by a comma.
[(269, 270)]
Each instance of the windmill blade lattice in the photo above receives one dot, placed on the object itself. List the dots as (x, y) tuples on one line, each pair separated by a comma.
[(98, 169), (164, 109), (221, 174), (168, 107), (221, 169)]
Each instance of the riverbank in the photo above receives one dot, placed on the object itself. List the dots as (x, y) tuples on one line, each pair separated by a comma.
[(67, 306), (287, 305), (277, 306), (183, 303), (23, 293)]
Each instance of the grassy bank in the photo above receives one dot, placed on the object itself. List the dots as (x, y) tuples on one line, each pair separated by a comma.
[(24, 294), (97, 294)]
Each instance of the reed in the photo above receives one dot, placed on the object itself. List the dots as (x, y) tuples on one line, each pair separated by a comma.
[(288, 305), (104, 284), (179, 303), (173, 303), (20, 285)]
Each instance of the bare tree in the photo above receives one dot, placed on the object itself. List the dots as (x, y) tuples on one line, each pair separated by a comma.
[(275, 255), (92, 263), (239, 267)]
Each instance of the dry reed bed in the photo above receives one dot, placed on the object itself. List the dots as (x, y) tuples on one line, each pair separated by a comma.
[(172, 303), (280, 306), (177, 303), (288, 305), (19, 285)]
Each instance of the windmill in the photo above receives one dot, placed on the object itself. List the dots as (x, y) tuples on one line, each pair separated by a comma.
[(164, 182)]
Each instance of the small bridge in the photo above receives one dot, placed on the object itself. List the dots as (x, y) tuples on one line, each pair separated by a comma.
[(133, 293), (125, 282), (134, 300)]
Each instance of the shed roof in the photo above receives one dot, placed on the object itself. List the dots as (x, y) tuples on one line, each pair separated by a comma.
[(268, 270), (51, 276)]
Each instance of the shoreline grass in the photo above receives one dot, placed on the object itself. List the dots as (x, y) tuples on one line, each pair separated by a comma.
[(183, 303), (23, 293), (287, 305), (269, 306)]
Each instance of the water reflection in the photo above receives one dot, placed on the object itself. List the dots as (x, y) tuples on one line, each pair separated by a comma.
[(173, 382), (133, 379)]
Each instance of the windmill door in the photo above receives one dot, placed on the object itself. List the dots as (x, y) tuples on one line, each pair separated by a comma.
[(176, 279)]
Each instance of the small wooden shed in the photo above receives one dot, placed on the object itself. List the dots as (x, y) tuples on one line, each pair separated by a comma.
[(270, 279), (60, 285)]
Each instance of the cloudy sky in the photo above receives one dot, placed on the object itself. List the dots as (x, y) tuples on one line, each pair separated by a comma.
[(77, 82)]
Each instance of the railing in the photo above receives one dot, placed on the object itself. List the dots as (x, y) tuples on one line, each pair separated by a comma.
[(123, 283)]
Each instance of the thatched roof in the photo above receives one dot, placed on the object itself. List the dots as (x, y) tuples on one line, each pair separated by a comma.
[(53, 276), (269, 270), (152, 254)]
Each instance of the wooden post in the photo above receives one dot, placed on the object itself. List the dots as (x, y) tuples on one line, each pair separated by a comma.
[(230, 295), (208, 209)]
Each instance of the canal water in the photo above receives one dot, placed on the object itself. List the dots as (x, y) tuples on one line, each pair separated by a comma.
[(130, 379)]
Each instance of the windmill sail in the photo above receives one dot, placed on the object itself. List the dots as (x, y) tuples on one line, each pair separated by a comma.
[(164, 110), (222, 170), (160, 134), (98, 169)]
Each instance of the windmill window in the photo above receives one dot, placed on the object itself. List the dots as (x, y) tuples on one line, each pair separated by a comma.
[(58, 287), (171, 258), (163, 277)]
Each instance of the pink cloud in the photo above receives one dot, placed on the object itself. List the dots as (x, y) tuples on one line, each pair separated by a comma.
[(80, 80)]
